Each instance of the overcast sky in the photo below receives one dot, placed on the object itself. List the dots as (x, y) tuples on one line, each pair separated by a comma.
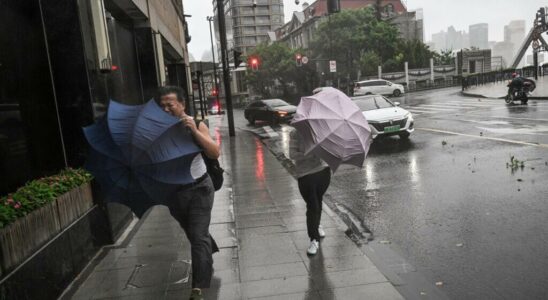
[(438, 15)]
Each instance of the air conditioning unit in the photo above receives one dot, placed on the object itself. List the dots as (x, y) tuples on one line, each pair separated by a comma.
[(98, 17)]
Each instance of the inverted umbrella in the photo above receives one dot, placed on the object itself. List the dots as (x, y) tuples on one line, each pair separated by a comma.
[(140, 155), (333, 128)]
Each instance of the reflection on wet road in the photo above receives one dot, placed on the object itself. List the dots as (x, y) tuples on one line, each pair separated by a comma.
[(447, 200)]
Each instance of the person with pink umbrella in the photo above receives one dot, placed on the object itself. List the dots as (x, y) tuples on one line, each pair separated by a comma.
[(330, 130)]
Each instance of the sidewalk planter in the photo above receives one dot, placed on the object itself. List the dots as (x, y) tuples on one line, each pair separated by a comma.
[(38, 212)]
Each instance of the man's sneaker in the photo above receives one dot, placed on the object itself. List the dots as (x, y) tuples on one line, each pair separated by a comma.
[(196, 294), (313, 248), (321, 231)]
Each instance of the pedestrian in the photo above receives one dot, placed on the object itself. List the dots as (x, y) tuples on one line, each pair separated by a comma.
[(193, 203), (313, 176)]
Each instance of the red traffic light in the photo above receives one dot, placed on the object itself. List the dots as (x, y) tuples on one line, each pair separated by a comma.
[(299, 56), (254, 63), (214, 92)]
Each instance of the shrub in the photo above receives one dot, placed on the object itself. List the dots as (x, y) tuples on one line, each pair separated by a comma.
[(38, 193)]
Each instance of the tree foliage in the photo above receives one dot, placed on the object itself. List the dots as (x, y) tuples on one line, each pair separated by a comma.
[(356, 38), (278, 75), (445, 57)]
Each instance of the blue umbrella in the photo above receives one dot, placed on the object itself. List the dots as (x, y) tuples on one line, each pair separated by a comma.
[(140, 155)]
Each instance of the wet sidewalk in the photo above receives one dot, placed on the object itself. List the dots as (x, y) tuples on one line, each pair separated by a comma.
[(260, 225), (499, 89)]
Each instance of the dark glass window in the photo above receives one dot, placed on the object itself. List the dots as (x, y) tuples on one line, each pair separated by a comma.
[(30, 143)]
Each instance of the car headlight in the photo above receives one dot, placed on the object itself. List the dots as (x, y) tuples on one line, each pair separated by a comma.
[(282, 113), (408, 115)]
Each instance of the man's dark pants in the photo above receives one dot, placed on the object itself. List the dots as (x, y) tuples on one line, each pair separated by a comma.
[(192, 209), (312, 188)]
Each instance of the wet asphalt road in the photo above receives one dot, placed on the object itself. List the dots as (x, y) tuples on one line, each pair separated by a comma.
[(445, 200)]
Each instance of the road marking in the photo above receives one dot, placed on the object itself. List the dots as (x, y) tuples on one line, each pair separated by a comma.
[(485, 137), (419, 111), (271, 133), (513, 118), (452, 106), (434, 109)]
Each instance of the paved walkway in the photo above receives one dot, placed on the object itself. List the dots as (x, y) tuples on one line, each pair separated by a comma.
[(499, 90), (260, 225)]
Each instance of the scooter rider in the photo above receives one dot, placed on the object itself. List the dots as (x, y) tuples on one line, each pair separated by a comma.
[(515, 84)]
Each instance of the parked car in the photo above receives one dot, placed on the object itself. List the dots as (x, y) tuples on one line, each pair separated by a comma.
[(385, 117), (271, 110), (379, 87)]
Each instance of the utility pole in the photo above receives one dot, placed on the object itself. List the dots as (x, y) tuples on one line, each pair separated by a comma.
[(216, 85), (224, 59)]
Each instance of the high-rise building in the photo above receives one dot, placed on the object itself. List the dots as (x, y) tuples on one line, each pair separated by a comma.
[(514, 33), (248, 25), (479, 35), (450, 40)]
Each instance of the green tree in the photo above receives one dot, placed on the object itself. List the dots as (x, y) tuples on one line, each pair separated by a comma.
[(369, 61), (347, 36), (278, 75), (445, 57)]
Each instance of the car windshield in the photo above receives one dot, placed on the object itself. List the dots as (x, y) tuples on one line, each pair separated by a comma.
[(275, 102), (372, 103)]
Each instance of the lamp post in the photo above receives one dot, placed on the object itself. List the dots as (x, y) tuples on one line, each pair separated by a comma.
[(216, 86), (224, 59)]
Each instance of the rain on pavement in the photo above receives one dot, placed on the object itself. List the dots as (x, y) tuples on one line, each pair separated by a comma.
[(448, 201)]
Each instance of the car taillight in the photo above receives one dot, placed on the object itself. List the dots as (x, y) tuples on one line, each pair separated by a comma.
[(281, 113)]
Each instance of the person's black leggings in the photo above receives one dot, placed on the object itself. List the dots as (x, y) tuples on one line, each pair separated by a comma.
[(312, 188)]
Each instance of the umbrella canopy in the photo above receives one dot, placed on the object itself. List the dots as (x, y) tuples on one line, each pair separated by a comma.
[(140, 155), (333, 127)]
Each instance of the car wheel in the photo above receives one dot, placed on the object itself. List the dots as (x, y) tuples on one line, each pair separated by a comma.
[(396, 93), (251, 121), (404, 135), (368, 93)]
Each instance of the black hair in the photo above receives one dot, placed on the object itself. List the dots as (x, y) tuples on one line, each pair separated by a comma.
[(170, 89)]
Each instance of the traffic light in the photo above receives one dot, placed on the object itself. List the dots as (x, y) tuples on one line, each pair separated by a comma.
[(333, 6), (254, 63), (298, 59), (237, 58), (214, 92)]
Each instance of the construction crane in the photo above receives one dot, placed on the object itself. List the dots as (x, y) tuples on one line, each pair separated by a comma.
[(535, 39)]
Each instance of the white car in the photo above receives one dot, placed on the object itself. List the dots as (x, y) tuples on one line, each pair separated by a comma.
[(385, 117), (378, 87)]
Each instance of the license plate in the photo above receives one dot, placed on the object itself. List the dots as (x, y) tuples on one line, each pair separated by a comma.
[(392, 128)]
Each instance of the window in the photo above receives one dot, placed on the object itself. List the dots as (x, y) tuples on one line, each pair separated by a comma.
[(247, 20), (263, 29), (263, 20), (248, 30), (372, 103)]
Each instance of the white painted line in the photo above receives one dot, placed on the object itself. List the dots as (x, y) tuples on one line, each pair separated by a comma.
[(484, 137), (270, 131), (449, 106), (419, 111), (435, 109)]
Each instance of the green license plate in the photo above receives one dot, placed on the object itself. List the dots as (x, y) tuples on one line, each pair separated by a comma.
[(392, 128)]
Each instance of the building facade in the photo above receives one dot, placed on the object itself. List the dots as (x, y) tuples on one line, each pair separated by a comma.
[(61, 62), (473, 61), (299, 31), (248, 25), (479, 35), (514, 33)]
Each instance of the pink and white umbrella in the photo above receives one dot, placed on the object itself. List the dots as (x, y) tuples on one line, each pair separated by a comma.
[(333, 128)]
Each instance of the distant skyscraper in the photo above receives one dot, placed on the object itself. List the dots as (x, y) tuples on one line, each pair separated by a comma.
[(248, 26), (514, 33), (479, 35)]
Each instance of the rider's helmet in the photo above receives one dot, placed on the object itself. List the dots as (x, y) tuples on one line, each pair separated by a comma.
[(514, 75)]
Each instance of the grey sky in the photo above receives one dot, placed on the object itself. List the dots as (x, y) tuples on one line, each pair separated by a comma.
[(438, 15)]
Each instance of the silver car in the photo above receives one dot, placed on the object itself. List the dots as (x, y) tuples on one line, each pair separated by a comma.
[(385, 117), (379, 86)]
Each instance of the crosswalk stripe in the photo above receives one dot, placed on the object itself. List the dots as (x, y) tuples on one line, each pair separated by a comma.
[(435, 109), (453, 106), (484, 137)]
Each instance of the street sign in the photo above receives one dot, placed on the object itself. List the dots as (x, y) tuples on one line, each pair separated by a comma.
[(304, 60), (332, 66)]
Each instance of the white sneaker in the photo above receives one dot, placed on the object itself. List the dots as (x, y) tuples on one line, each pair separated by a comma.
[(313, 248), (321, 231)]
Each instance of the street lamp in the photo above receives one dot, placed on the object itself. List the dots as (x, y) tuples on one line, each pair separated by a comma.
[(216, 87)]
